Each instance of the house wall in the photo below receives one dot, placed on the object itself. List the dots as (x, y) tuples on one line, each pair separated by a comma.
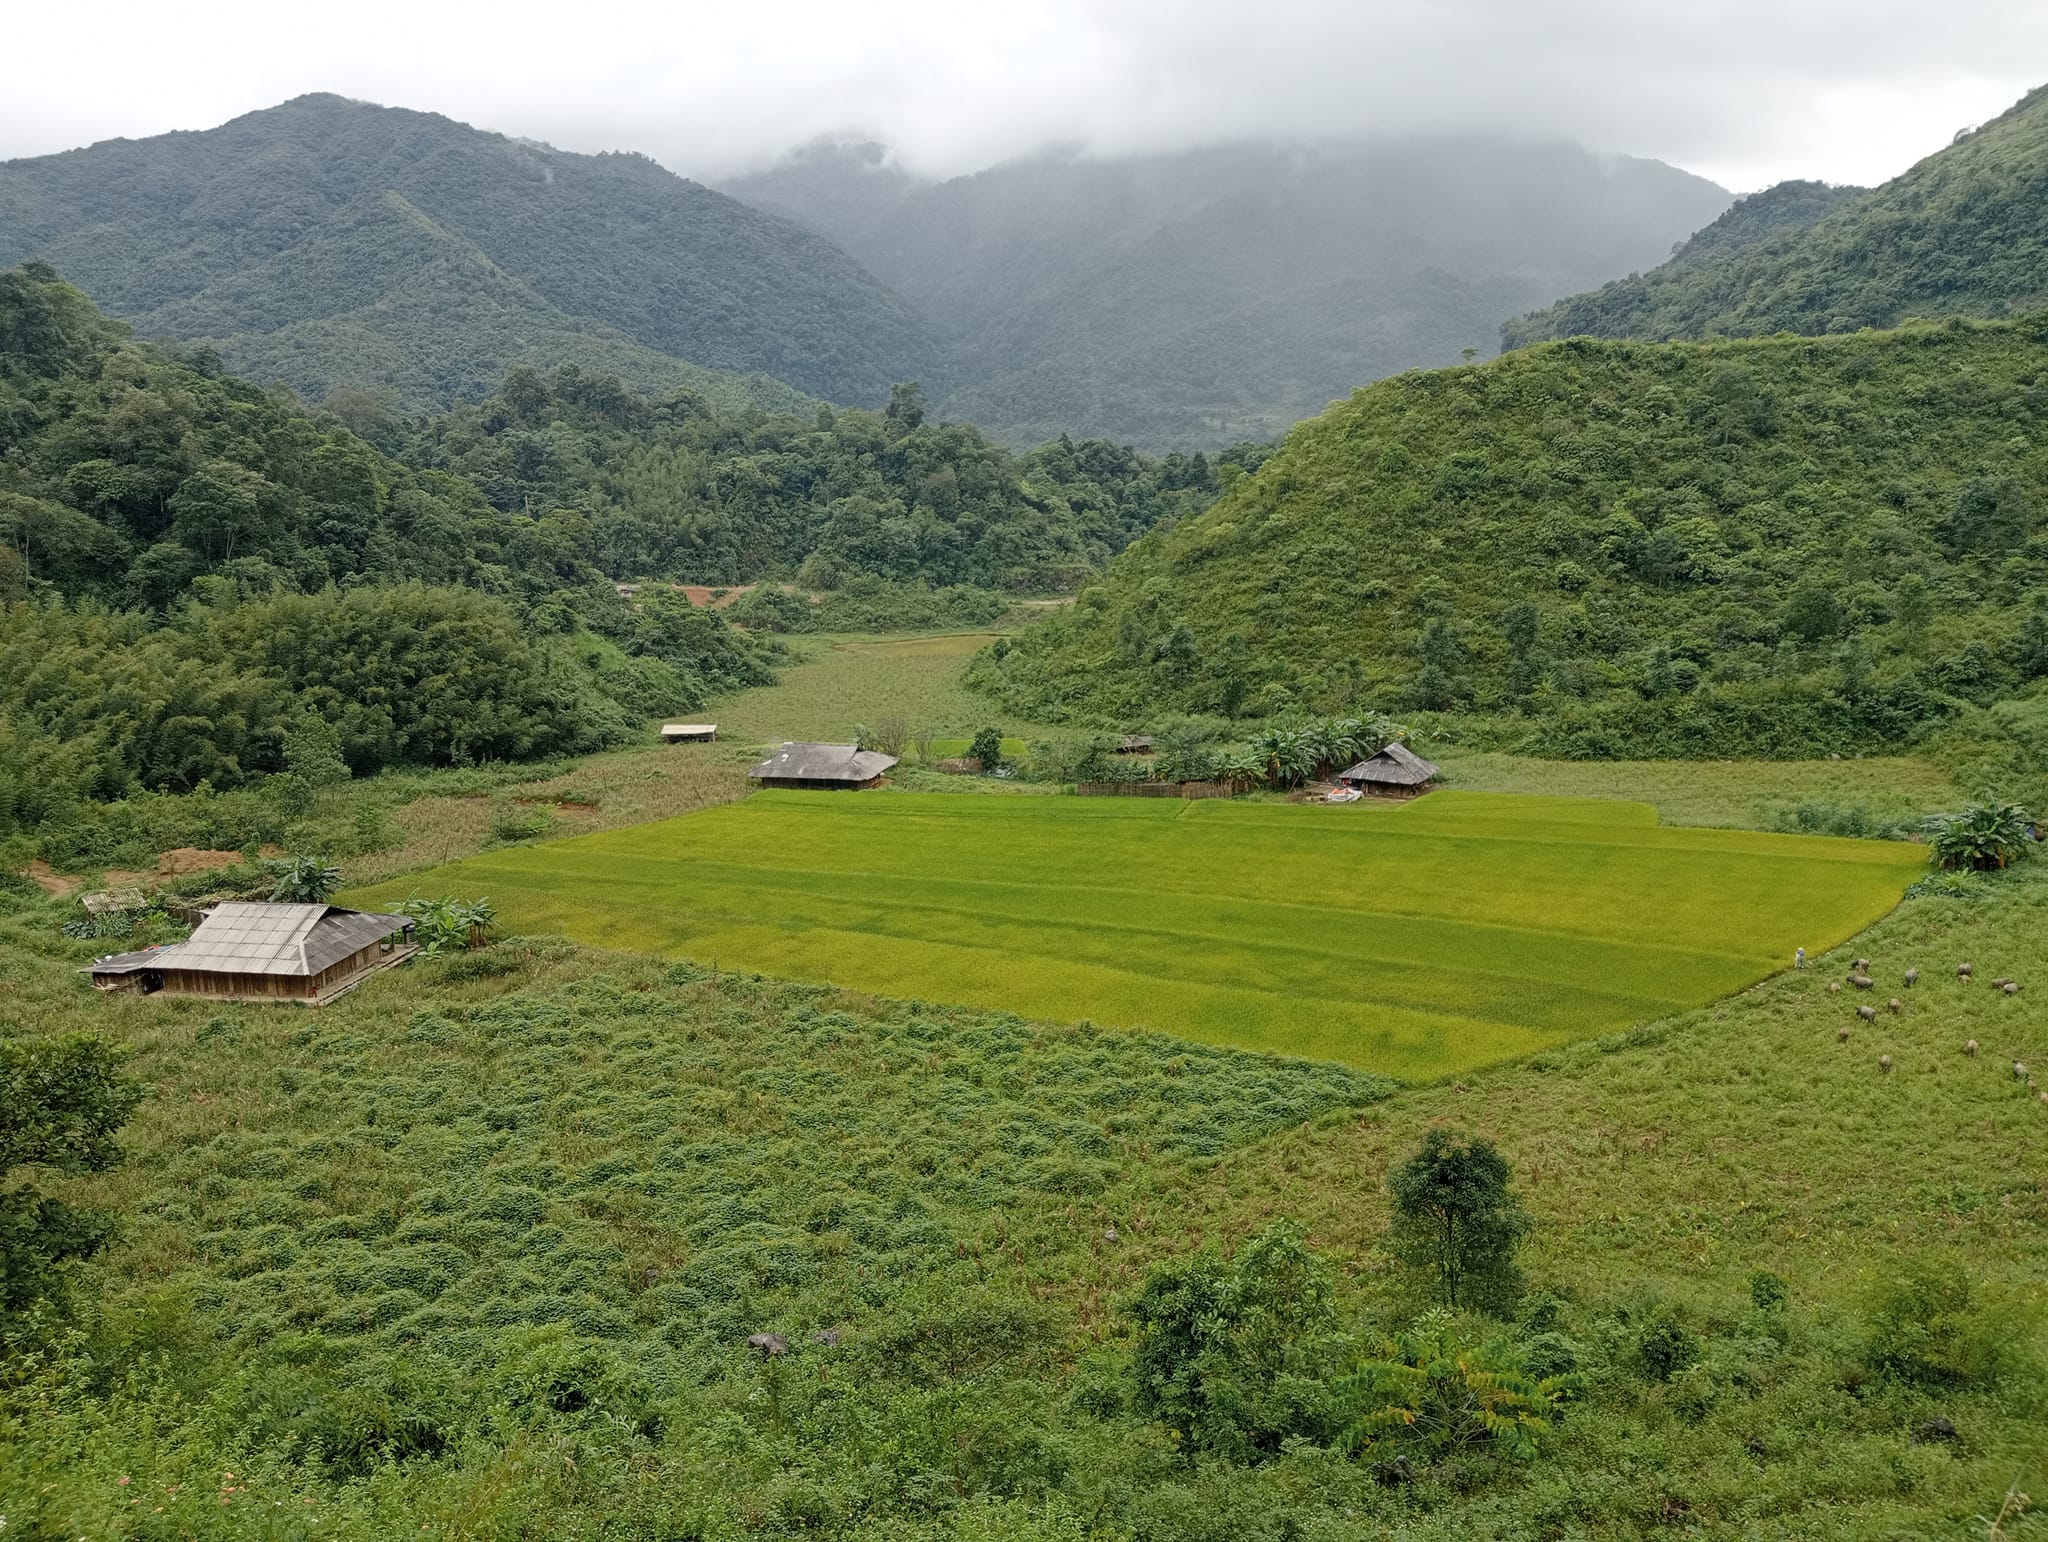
[(1389, 789), (214, 986), (810, 786)]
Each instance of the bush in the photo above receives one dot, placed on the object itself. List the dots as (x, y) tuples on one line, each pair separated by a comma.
[(510, 822), (1440, 1395), (987, 748), (1666, 1347), (1983, 837), (1227, 1352), (1925, 1325)]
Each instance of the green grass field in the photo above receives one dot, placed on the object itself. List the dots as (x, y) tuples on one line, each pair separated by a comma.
[(1415, 940)]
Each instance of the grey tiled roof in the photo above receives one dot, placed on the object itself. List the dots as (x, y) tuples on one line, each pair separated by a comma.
[(822, 763), (263, 939)]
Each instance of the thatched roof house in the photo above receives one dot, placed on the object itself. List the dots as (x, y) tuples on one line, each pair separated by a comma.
[(1134, 744), (688, 733), (843, 767), (1395, 772), (258, 952)]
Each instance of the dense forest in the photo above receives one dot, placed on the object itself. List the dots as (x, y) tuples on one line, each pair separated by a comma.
[(670, 487), (1965, 232), (202, 578), (332, 244), (1209, 295), (1775, 548)]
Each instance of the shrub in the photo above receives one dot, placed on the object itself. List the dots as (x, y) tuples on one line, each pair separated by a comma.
[(1431, 1390), (303, 880), (510, 823), (1226, 1351), (1666, 1347), (1983, 837), (987, 748), (1924, 1325)]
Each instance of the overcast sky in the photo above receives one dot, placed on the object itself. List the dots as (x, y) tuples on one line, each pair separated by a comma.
[(1744, 91)]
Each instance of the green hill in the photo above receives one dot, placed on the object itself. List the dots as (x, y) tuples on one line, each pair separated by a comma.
[(333, 244), (1965, 232), (1776, 547), (1208, 295)]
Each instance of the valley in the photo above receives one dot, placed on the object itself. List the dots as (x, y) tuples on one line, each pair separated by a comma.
[(1625, 1119)]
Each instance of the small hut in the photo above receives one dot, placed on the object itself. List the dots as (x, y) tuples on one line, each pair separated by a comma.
[(832, 767), (1395, 772), (1134, 744), (688, 733), (258, 952)]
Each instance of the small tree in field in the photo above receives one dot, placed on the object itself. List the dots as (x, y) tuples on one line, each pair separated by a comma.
[(1457, 1221), (987, 748)]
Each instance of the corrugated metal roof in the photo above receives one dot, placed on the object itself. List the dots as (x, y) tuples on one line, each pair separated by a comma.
[(1396, 765), (263, 939), (822, 763)]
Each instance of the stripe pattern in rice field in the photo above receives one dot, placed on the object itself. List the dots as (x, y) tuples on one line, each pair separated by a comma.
[(1418, 939)]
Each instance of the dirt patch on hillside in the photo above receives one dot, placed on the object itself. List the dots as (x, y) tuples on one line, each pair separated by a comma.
[(176, 863), (56, 885), (713, 596)]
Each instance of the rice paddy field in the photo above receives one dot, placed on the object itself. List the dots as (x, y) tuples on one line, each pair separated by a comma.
[(1415, 940)]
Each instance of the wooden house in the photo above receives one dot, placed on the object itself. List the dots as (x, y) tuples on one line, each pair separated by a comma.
[(1395, 772), (261, 952), (688, 733), (830, 767), (1134, 744)]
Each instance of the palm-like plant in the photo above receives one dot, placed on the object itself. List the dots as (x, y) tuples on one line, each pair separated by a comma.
[(306, 880), (1983, 836), (477, 920), (1428, 1389)]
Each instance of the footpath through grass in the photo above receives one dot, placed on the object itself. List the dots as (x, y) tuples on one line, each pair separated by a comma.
[(1416, 940)]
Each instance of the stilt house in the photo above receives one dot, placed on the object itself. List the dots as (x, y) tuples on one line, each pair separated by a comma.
[(258, 952)]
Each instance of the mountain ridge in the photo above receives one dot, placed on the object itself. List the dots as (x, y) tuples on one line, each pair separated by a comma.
[(1224, 292), (209, 235), (1964, 231)]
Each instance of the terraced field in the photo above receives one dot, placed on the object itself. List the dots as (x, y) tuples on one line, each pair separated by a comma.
[(1415, 940)]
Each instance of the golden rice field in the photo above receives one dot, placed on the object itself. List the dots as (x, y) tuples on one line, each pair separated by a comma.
[(1418, 940)]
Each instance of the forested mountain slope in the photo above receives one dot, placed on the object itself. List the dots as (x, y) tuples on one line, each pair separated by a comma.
[(329, 243), (1775, 547), (194, 574), (670, 488), (1204, 296), (1965, 232)]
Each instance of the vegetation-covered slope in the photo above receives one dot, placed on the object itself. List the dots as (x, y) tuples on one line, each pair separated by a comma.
[(672, 488), (201, 584), (1753, 548), (475, 1252), (1965, 232), (330, 243), (1209, 295)]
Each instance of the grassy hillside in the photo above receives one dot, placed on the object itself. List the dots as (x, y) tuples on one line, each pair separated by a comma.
[(1458, 931), (474, 1251), (330, 244), (1965, 232), (1609, 549), (1210, 295)]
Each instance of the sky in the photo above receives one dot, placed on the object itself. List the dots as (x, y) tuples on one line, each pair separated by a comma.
[(1747, 92)]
